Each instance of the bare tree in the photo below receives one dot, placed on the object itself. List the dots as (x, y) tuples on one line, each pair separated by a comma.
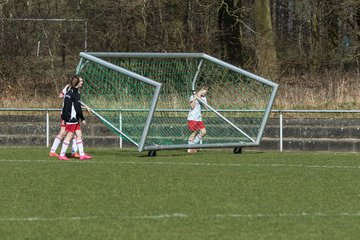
[(230, 24), (269, 36), (265, 45)]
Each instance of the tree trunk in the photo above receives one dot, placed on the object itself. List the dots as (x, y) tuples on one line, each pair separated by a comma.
[(265, 46), (315, 37), (229, 24), (358, 23)]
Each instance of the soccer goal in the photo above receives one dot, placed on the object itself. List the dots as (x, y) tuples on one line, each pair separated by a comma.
[(144, 98)]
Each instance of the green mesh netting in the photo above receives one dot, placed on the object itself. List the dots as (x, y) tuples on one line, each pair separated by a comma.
[(124, 102)]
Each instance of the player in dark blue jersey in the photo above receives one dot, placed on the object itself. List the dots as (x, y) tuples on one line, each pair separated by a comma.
[(72, 115)]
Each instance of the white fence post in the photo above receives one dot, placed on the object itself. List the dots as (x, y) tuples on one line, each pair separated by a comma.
[(120, 127), (281, 132), (47, 128)]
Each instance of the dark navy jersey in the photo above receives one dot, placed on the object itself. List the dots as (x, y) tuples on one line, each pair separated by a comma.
[(72, 111)]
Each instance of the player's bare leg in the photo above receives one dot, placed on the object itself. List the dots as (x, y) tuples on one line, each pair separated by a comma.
[(191, 141)]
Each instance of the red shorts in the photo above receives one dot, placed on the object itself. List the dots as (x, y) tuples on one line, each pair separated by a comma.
[(72, 127), (195, 125)]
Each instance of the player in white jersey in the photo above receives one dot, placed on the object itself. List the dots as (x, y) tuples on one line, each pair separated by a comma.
[(62, 133), (194, 120)]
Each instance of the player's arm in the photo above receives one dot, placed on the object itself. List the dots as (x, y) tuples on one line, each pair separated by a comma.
[(63, 92), (86, 108), (192, 101), (201, 95)]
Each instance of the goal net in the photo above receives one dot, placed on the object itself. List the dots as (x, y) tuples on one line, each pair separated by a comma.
[(144, 98)]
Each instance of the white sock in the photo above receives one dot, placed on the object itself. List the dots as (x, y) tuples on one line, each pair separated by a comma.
[(190, 141), (81, 147), (74, 146), (197, 139), (56, 143), (64, 147)]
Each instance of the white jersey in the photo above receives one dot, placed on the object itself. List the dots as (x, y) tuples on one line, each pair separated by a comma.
[(66, 88), (64, 91), (195, 113)]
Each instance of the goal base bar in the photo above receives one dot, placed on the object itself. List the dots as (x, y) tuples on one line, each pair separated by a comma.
[(187, 146)]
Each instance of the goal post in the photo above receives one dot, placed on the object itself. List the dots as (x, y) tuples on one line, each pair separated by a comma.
[(103, 80), (150, 93)]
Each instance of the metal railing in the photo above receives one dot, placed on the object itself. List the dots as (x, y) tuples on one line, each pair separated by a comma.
[(281, 119), (279, 112)]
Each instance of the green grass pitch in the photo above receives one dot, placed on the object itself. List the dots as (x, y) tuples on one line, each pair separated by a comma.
[(215, 194)]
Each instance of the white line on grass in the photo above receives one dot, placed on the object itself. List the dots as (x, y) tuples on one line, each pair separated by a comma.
[(182, 215), (45, 219), (290, 215), (190, 164)]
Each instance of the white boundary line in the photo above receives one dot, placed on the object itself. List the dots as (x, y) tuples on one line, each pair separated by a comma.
[(85, 218), (302, 214), (182, 215), (189, 164)]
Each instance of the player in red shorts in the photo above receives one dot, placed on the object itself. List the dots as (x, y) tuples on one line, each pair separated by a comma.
[(194, 119), (72, 115), (60, 136)]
